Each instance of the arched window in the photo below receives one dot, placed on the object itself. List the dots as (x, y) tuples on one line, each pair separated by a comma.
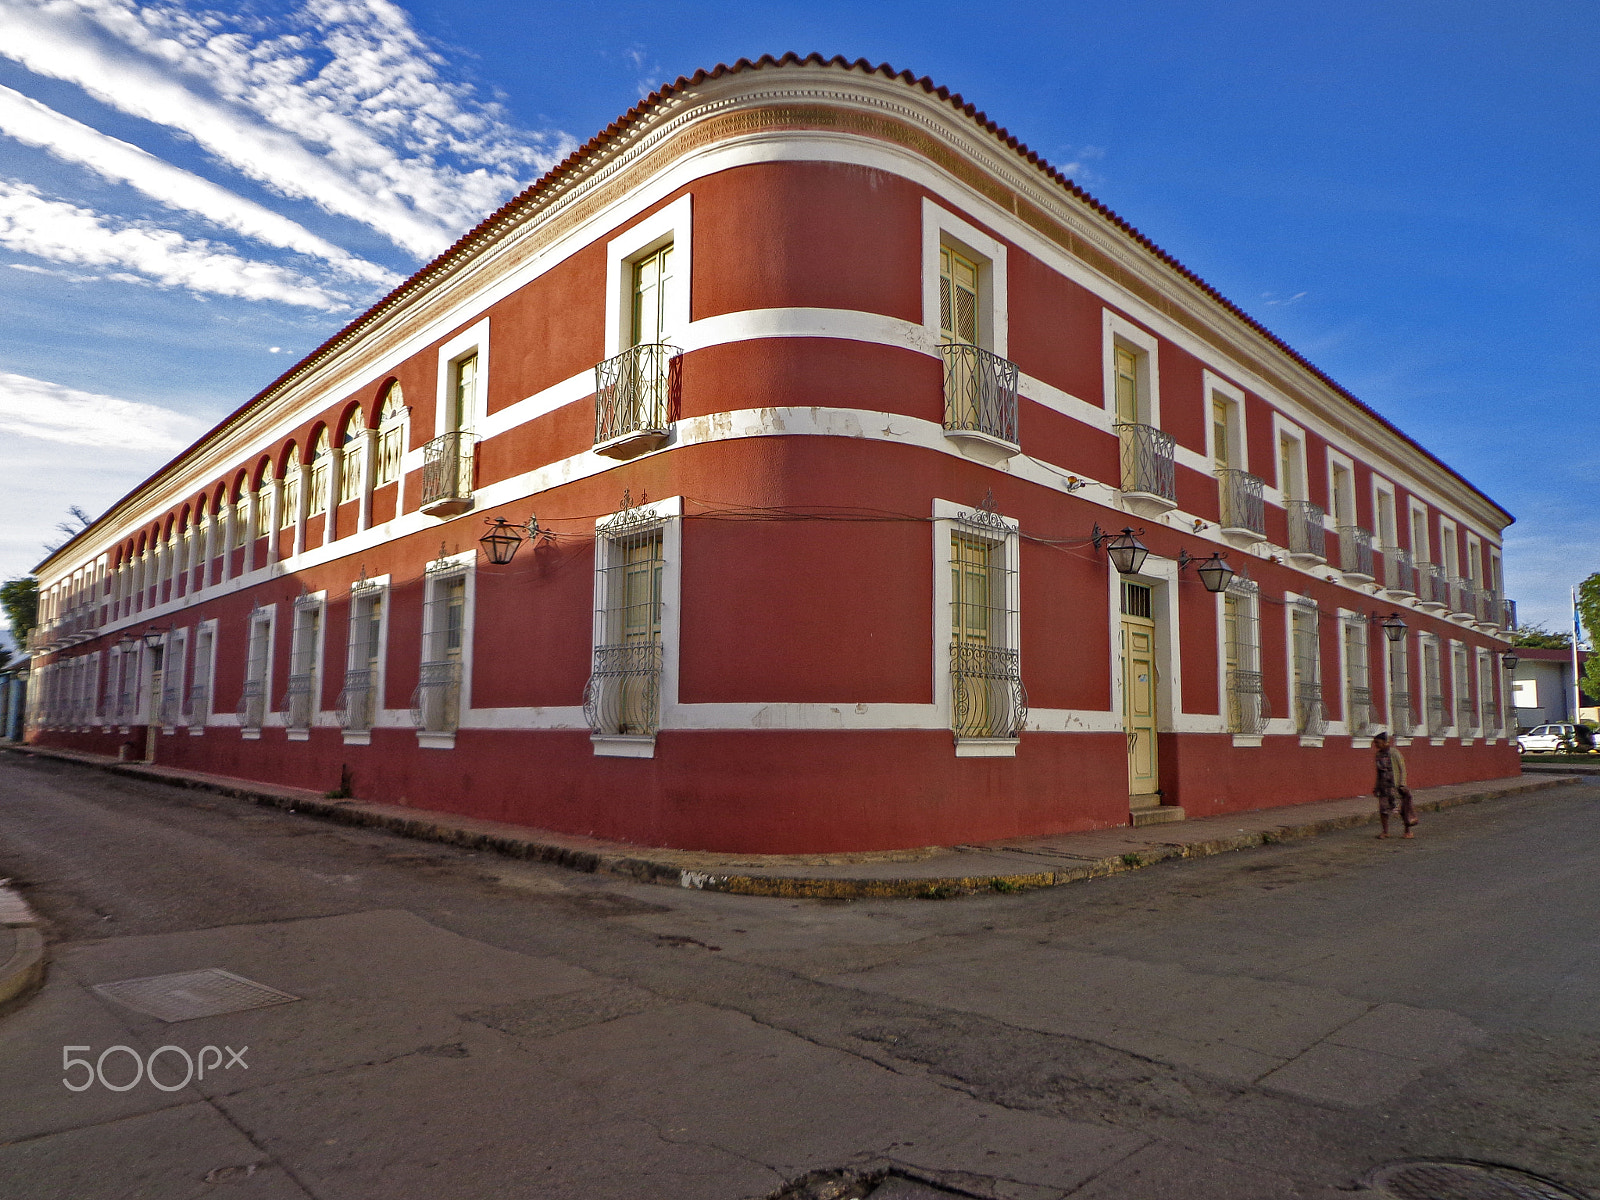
[(263, 519), (352, 443), (391, 437), (289, 496), (321, 462), (241, 515)]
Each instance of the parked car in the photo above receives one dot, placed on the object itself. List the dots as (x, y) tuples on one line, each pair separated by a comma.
[(1561, 739)]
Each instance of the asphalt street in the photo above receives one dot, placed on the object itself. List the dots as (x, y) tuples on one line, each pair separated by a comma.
[(1273, 1023)]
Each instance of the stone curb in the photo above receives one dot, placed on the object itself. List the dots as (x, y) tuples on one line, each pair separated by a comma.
[(776, 875), (23, 972)]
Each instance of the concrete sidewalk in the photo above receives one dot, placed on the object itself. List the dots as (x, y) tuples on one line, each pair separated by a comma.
[(933, 871)]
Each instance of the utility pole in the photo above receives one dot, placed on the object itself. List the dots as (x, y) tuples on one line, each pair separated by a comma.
[(1577, 632)]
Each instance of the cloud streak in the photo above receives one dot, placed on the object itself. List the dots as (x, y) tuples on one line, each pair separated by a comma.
[(33, 124), (52, 412), (32, 223)]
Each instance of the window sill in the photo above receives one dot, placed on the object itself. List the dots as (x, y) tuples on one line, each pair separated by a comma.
[(622, 746), (986, 747), (633, 443), (250, 735), (1314, 743), (358, 737), (299, 735), (196, 730), (1433, 741), (1247, 740), (1360, 742), (1466, 741), (987, 444), (435, 741)]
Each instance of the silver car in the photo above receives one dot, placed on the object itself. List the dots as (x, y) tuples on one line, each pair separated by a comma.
[(1555, 738)]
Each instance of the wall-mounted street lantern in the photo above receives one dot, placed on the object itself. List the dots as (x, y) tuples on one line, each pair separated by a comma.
[(501, 542), (1214, 572), (1394, 626), (1509, 660), (153, 637), (1126, 552), (127, 642)]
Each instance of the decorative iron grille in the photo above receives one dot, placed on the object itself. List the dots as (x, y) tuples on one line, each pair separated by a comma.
[(1147, 460), (357, 700), (1242, 505), (987, 696), (1399, 575), (1355, 551), (1433, 585), (299, 701), (980, 392), (168, 707), (199, 706), (253, 704), (1400, 714), (1307, 534), (447, 468), (634, 392), (988, 699), (1438, 716), (1466, 716), (1359, 716), (1248, 710), (622, 697), (1358, 683), (436, 701)]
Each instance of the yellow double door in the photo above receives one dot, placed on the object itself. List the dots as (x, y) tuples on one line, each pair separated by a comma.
[(1138, 662)]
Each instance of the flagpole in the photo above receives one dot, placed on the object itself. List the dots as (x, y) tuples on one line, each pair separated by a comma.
[(1576, 631)]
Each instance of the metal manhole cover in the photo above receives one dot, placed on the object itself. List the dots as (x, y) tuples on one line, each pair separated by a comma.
[(191, 994), (1438, 1180)]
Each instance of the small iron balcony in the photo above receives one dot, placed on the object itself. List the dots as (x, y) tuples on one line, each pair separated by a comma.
[(1358, 711), (447, 474), (1148, 470), (1355, 553), (635, 397), (980, 395), (1308, 538), (1399, 575), (1243, 513), (1433, 590), (1248, 710), (1463, 597)]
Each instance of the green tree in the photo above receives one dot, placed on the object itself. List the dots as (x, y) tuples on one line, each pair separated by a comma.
[(19, 600), (1589, 614), (1537, 637)]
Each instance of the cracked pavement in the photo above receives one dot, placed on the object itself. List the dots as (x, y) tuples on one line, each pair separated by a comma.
[(1267, 1024)]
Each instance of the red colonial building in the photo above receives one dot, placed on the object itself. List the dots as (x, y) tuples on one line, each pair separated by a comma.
[(803, 465)]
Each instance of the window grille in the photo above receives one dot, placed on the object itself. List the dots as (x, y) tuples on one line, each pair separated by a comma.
[(1401, 715), (1461, 685), (1148, 465), (1243, 507), (199, 707), (623, 694), (359, 698), (289, 498), (436, 702), (300, 697), (253, 699), (1488, 709), (1310, 718), (1358, 683), (987, 696), (1248, 710), (1437, 714), (169, 708), (447, 468)]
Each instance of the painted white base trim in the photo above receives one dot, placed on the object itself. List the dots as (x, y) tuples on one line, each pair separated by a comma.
[(1247, 739), (1314, 743), (358, 737), (986, 747), (435, 741), (623, 747), (299, 735), (250, 735)]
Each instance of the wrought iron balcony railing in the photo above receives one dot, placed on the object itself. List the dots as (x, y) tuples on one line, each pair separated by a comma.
[(1464, 597), (436, 702), (299, 702), (634, 398), (1358, 711), (1438, 716), (199, 707), (1432, 585), (1310, 718), (1243, 510), (358, 706), (253, 704), (1399, 574), (1466, 717), (168, 708), (623, 695), (1248, 710), (1355, 553), (1307, 535), (447, 474), (1401, 717), (980, 393), (1148, 464), (987, 696)]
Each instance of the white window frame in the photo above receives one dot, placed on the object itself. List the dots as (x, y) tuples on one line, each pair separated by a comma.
[(1340, 461), (198, 720), (472, 340), (1214, 388), (312, 602), (266, 615), (668, 515), (1449, 548), (1283, 428), (1411, 660), (946, 524), (1346, 618), (1249, 597), (1117, 330), (456, 566), (378, 584), (671, 225), (175, 650), (941, 227), (1413, 507), (1293, 603), (1425, 639)]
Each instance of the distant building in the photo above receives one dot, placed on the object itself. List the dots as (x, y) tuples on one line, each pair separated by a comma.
[(1541, 687), (827, 394)]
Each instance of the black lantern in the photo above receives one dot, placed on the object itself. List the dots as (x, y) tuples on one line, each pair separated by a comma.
[(501, 542), (1214, 572), (153, 637), (1394, 627), (1509, 660), (127, 642), (1126, 552)]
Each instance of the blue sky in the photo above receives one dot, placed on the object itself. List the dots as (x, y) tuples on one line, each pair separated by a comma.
[(192, 197)]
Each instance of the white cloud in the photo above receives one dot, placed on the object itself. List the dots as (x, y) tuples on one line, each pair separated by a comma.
[(33, 124), (52, 412), (33, 223), (347, 108)]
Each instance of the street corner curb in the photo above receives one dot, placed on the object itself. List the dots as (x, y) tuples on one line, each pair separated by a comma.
[(24, 969), (792, 887)]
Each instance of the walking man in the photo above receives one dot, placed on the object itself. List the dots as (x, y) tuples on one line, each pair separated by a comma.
[(1390, 788)]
